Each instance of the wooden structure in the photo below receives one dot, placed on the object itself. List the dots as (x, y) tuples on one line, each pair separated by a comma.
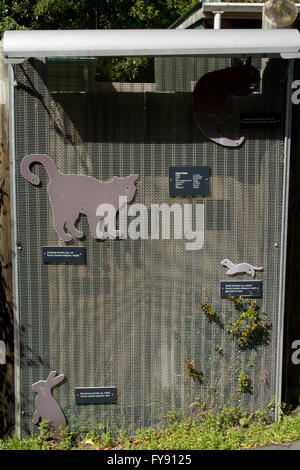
[(6, 310)]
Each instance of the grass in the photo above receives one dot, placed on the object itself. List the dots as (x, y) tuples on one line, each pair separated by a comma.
[(227, 429)]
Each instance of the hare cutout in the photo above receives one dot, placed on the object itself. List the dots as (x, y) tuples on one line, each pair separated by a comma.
[(46, 406)]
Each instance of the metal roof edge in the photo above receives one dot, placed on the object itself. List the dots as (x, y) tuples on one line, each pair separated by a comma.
[(193, 8), (18, 45)]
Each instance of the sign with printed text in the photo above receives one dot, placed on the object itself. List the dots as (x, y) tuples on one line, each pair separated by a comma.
[(260, 120), (90, 395), (63, 254), (189, 180), (241, 288)]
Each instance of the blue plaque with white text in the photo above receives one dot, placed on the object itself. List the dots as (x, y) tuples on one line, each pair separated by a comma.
[(189, 180), (94, 395), (63, 254), (241, 288)]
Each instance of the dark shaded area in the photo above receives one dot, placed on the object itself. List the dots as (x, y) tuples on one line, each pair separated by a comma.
[(7, 335), (291, 372), (6, 296)]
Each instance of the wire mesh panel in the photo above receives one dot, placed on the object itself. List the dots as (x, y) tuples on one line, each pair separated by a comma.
[(130, 316)]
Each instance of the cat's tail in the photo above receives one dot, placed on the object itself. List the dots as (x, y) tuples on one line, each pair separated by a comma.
[(46, 161), (213, 135)]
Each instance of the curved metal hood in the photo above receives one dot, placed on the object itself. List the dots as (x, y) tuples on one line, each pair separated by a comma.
[(18, 45)]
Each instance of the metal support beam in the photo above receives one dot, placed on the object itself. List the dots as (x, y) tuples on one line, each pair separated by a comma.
[(18, 45), (283, 243), (217, 19), (12, 154)]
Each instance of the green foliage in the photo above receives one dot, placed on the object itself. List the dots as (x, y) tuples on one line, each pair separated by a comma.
[(173, 417), (250, 327), (227, 428), (125, 69), (192, 371), (210, 314), (245, 383), (207, 309), (69, 438), (15, 14), (157, 13), (92, 14), (45, 431)]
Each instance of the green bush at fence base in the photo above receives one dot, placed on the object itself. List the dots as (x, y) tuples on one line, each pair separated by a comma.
[(229, 428)]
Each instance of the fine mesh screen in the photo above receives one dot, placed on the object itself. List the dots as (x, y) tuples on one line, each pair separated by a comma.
[(130, 315)]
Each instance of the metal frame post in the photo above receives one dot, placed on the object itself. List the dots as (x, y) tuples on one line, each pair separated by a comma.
[(12, 155), (283, 244)]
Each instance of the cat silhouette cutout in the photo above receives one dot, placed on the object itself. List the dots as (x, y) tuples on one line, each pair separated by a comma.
[(71, 195), (211, 94), (46, 407)]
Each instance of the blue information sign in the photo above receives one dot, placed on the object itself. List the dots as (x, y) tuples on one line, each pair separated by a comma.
[(63, 254), (189, 180), (86, 395), (241, 288)]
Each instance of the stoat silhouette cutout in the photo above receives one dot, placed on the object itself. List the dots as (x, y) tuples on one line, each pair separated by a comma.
[(240, 268), (71, 195), (212, 91)]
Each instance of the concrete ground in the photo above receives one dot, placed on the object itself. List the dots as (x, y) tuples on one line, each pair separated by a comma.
[(294, 445)]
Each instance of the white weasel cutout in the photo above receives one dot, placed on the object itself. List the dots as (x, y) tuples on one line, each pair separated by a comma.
[(241, 268)]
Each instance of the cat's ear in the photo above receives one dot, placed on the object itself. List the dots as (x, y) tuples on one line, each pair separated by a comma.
[(248, 61), (134, 177)]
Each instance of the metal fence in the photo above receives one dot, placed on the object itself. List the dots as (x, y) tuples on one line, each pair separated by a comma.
[(130, 316)]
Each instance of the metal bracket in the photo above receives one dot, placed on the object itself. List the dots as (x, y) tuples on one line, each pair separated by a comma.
[(14, 60), (290, 55)]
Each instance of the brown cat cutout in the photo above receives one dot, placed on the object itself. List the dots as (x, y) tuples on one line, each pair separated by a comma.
[(212, 92), (71, 195)]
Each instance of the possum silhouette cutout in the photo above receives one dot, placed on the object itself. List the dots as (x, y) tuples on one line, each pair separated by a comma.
[(46, 407), (212, 92), (72, 195)]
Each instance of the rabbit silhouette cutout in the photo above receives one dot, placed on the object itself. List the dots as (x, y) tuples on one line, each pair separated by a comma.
[(46, 406)]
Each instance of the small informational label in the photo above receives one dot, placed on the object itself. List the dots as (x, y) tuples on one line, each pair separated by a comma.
[(63, 254), (241, 288), (260, 120), (87, 395), (189, 180)]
